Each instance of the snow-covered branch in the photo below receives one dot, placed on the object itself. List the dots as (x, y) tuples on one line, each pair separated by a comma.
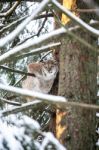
[(32, 44), (60, 104), (16, 32), (42, 49), (27, 46), (36, 95)]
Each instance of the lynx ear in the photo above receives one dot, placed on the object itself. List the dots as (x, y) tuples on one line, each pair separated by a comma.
[(31, 67), (34, 67)]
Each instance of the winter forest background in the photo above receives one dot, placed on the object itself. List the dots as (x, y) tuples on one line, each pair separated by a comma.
[(66, 118)]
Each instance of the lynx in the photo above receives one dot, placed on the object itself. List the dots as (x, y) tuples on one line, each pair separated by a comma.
[(44, 76)]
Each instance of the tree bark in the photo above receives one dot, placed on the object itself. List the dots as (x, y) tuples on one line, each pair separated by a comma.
[(77, 82)]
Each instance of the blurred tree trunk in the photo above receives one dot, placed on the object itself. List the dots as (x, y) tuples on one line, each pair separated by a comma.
[(75, 128), (77, 82)]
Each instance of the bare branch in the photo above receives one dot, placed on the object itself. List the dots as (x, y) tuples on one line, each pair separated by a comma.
[(10, 11), (24, 107), (39, 31), (92, 4), (45, 55), (3, 100), (17, 71), (77, 104), (87, 10), (12, 24)]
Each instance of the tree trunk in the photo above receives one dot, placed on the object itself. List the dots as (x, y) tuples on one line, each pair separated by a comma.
[(77, 82)]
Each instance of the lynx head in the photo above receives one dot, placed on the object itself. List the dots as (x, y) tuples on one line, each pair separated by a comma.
[(51, 66)]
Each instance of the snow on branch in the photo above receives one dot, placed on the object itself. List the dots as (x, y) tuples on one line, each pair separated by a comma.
[(16, 32), (42, 49), (33, 43), (60, 104), (27, 46), (76, 19), (36, 95)]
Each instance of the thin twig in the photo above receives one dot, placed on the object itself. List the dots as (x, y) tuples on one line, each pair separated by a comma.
[(45, 55), (21, 108), (5, 94), (38, 33), (14, 23), (42, 26), (10, 11), (3, 100), (17, 71), (17, 31), (87, 10), (41, 49), (77, 104), (60, 105)]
